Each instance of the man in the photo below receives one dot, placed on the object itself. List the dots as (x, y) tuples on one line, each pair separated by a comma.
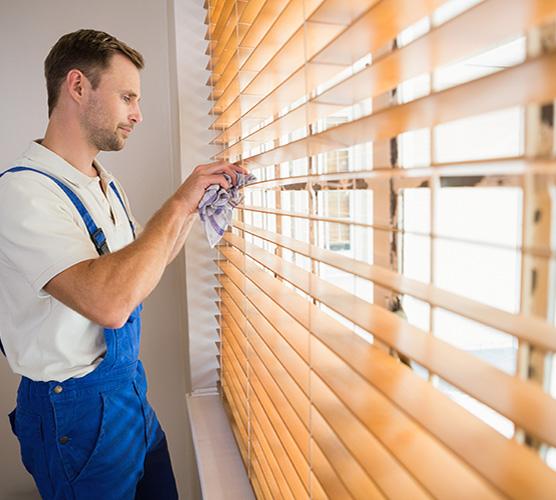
[(73, 275)]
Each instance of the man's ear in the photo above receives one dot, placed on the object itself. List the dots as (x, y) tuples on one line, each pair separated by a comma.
[(77, 85)]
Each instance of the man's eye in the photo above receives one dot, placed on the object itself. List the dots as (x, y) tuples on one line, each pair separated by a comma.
[(126, 99)]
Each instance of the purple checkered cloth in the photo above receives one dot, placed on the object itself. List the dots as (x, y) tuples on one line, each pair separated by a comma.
[(217, 204)]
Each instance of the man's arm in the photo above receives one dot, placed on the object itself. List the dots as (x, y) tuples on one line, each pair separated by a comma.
[(184, 233), (107, 289)]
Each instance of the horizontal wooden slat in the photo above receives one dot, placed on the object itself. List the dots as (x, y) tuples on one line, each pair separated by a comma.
[(294, 453), (522, 402), (264, 19), (230, 330), (412, 446), (237, 426), (221, 22), (230, 355), (352, 475), (231, 380), (538, 251), (293, 363), (422, 456), (236, 401), (298, 429), (357, 179), (228, 30), (286, 19), (297, 398), (295, 487), (237, 333), (528, 328), (293, 333), (260, 439), (447, 43), (387, 472), (256, 488), (264, 479), (230, 377), (382, 22), (523, 84), (510, 467), (331, 483), (215, 18), (233, 54)]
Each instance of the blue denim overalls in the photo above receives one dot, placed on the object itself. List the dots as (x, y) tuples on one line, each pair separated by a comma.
[(95, 437)]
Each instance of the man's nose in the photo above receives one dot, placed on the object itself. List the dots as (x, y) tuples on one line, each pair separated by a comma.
[(136, 116)]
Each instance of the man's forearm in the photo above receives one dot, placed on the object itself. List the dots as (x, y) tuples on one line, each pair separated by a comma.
[(107, 289), (184, 233)]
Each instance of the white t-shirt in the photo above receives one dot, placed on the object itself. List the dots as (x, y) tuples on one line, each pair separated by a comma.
[(41, 235)]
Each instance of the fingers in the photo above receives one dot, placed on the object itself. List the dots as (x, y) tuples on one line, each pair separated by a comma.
[(230, 169), (216, 167), (217, 179), (239, 168)]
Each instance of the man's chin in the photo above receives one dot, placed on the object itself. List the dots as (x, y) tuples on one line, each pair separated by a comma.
[(113, 146)]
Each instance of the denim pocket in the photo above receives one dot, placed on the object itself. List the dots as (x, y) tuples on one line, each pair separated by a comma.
[(79, 430), (28, 429)]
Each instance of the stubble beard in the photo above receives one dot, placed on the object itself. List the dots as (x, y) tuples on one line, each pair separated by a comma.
[(99, 135)]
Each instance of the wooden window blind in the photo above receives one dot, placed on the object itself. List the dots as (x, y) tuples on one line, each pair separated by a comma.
[(387, 292)]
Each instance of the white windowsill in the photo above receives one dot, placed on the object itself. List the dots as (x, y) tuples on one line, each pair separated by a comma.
[(221, 471)]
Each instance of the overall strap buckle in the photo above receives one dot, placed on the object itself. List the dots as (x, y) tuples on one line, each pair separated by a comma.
[(99, 240)]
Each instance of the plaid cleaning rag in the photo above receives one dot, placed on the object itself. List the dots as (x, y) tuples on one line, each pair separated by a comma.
[(217, 204)]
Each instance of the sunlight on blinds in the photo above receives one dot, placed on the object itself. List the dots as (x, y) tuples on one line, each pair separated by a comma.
[(387, 292)]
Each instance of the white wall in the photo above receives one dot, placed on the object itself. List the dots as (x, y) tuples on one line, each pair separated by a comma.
[(148, 167)]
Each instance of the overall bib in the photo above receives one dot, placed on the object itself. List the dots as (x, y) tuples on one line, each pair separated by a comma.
[(95, 437)]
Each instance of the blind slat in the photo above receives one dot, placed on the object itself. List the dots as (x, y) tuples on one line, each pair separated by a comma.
[(295, 487), (295, 455), (523, 84), (422, 457), (297, 398), (389, 474), (266, 455), (528, 328), (448, 43), (293, 363), (522, 402), (510, 467), (380, 22)]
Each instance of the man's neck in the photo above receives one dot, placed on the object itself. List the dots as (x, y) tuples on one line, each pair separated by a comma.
[(67, 141)]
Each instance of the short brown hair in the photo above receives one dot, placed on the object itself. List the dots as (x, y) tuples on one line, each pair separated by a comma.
[(90, 52)]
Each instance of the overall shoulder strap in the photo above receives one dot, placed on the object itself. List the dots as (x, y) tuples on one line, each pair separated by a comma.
[(113, 186), (97, 235)]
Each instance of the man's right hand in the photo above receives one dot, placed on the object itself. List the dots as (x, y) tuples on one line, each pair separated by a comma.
[(192, 190)]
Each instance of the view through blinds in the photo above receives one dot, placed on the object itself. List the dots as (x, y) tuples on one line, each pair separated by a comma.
[(387, 292)]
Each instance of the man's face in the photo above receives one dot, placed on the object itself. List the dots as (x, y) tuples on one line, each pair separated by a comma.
[(112, 109)]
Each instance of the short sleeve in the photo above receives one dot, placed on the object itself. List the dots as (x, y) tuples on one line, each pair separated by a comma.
[(41, 233)]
